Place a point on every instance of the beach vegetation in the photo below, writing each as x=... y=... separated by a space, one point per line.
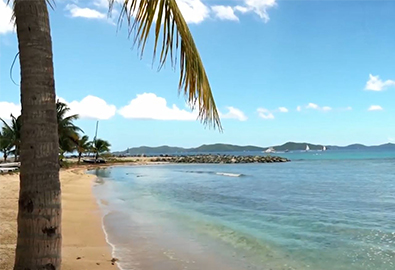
x=83 y=145
x=99 y=147
x=11 y=136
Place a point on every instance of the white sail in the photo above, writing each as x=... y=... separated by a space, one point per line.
x=307 y=148
x=324 y=148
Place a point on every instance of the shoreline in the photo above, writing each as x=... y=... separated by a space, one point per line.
x=84 y=243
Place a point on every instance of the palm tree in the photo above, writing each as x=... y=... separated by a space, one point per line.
x=13 y=132
x=100 y=146
x=68 y=132
x=39 y=216
x=83 y=145
x=5 y=143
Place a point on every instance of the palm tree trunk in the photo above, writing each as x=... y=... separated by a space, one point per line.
x=39 y=215
x=79 y=157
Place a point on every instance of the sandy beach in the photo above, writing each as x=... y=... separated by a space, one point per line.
x=84 y=243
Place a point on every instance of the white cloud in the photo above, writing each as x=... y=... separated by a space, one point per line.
x=375 y=108
x=283 y=109
x=259 y=7
x=91 y=107
x=8 y=108
x=6 y=25
x=376 y=84
x=234 y=113
x=194 y=11
x=265 y=113
x=268 y=114
x=89 y=13
x=314 y=106
x=224 y=13
x=150 y=106
x=241 y=9
x=299 y=108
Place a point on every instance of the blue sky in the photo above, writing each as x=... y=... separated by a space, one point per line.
x=316 y=71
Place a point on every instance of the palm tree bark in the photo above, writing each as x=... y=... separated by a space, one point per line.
x=39 y=214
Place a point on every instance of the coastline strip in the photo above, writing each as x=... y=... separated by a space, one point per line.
x=84 y=241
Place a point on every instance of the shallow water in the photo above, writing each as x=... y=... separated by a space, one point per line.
x=320 y=214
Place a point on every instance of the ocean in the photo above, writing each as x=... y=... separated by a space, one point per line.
x=332 y=210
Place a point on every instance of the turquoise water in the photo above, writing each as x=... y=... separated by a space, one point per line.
x=334 y=212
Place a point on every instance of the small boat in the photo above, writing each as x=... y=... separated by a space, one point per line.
x=94 y=161
x=10 y=165
x=307 y=148
x=270 y=150
x=8 y=169
x=324 y=148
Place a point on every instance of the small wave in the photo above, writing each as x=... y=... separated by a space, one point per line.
x=199 y=172
x=229 y=174
x=113 y=248
x=217 y=173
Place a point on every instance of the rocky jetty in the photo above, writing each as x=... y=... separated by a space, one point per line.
x=219 y=159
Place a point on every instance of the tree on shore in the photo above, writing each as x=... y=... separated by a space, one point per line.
x=5 y=144
x=68 y=132
x=100 y=146
x=39 y=238
x=83 y=145
x=12 y=134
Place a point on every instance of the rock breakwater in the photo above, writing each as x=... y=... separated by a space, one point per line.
x=220 y=159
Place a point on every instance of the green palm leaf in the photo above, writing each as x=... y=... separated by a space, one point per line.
x=68 y=132
x=165 y=14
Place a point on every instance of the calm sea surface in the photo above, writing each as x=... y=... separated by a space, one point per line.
x=330 y=210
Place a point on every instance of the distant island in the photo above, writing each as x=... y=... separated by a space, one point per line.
x=219 y=148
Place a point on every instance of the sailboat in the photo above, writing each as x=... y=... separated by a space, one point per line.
x=307 y=148
x=324 y=148
x=94 y=160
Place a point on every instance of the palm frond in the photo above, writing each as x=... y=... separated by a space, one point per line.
x=171 y=26
x=71 y=118
x=5 y=124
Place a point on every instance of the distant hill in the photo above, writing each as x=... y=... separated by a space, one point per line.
x=354 y=146
x=387 y=146
x=220 y=147
x=205 y=148
x=358 y=146
x=151 y=150
x=293 y=146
